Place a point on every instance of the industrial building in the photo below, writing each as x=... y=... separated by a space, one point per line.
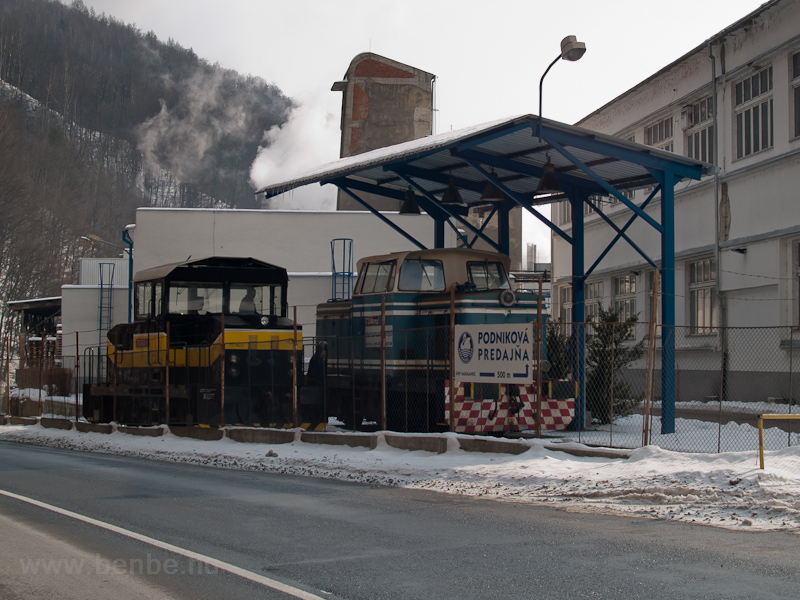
x=734 y=102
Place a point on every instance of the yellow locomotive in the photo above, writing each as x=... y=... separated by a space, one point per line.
x=211 y=343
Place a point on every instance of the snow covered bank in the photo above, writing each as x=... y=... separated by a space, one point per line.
x=727 y=489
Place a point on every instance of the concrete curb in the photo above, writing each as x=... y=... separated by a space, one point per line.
x=589 y=451
x=248 y=435
x=354 y=440
x=253 y=435
x=142 y=431
x=57 y=423
x=427 y=443
x=482 y=444
x=95 y=427
x=198 y=433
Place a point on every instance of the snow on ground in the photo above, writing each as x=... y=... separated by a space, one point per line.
x=724 y=489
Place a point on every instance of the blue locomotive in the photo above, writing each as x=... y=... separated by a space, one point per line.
x=388 y=348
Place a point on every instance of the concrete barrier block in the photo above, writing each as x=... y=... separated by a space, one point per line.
x=5 y=419
x=143 y=431
x=207 y=434
x=484 y=444
x=260 y=436
x=94 y=427
x=24 y=420
x=354 y=440
x=428 y=443
x=65 y=424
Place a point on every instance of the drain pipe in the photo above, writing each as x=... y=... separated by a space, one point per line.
x=721 y=308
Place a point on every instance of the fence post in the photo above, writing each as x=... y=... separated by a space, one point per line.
x=451 y=354
x=166 y=381
x=77 y=371
x=383 y=362
x=8 y=375
x=295 y=414
x=222 y=373
x=41 y=373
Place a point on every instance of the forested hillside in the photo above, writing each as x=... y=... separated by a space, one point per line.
x=98 y=118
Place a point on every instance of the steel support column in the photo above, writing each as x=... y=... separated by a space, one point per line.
x=577 y=198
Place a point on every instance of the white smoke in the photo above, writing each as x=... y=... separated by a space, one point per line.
x=309 y=138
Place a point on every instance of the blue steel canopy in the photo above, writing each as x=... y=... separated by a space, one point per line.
x=511 y=154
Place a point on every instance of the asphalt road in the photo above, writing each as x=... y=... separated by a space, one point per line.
x=336 y=539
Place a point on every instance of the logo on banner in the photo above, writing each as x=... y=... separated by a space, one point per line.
x=465 y=347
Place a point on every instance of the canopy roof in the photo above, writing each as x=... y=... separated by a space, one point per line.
x=510 y=147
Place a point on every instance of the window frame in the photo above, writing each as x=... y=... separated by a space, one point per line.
x=624 y=300
x=749 y=122
x=703 y=318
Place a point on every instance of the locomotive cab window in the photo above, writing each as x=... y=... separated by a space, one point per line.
x=418 y=275
x=487 y=276
x=186 y=298
x=256 y=299
x=144 y=299
x=377 y=278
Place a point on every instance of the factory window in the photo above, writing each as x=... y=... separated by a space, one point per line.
x=564 y=209
x=625 y=297
x=699 y=130
x=417 y=275
x=378 y=278
x=593 y=299
x=659 y=134
x=565 y=303
x=753 y=101
x=796 y=92
x=702 y=292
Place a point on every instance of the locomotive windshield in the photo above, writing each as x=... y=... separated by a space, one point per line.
x=378 y=277
x=420 y=275
x=487 y=276
x=252 y=299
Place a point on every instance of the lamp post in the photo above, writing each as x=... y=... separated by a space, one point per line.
x=571 y=50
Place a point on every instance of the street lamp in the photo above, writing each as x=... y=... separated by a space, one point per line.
x=571 y=50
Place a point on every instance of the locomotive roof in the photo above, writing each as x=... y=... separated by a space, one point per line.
x=446 y=254
x=211 y=268
x=454 y=260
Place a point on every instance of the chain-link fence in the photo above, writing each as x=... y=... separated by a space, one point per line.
x=723 y=379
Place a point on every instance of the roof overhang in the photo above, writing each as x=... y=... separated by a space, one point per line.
x=511 y=151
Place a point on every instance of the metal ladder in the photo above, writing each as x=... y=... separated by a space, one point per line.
x=342 y=280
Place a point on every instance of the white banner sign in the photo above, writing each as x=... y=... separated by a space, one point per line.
x=494 y=353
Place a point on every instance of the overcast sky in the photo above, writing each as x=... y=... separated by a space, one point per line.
x=487 y=56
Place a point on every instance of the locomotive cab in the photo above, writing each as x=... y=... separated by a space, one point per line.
x=210 y=344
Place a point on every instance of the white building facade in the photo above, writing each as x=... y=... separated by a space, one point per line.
x=734 y=102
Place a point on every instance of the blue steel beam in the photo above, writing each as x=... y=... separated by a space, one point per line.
x=620 y=233
x=606 y=186
x=577 y=198
x=521 y=200
x=624 y=228
x=515 y=166
x=429 y=199
x=668 y=181
x=638 y=157
x=398 y=229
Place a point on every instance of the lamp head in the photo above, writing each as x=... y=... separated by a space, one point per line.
x=410 y=206
x=572 y=49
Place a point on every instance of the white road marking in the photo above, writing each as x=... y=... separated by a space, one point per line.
x=254 y=577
